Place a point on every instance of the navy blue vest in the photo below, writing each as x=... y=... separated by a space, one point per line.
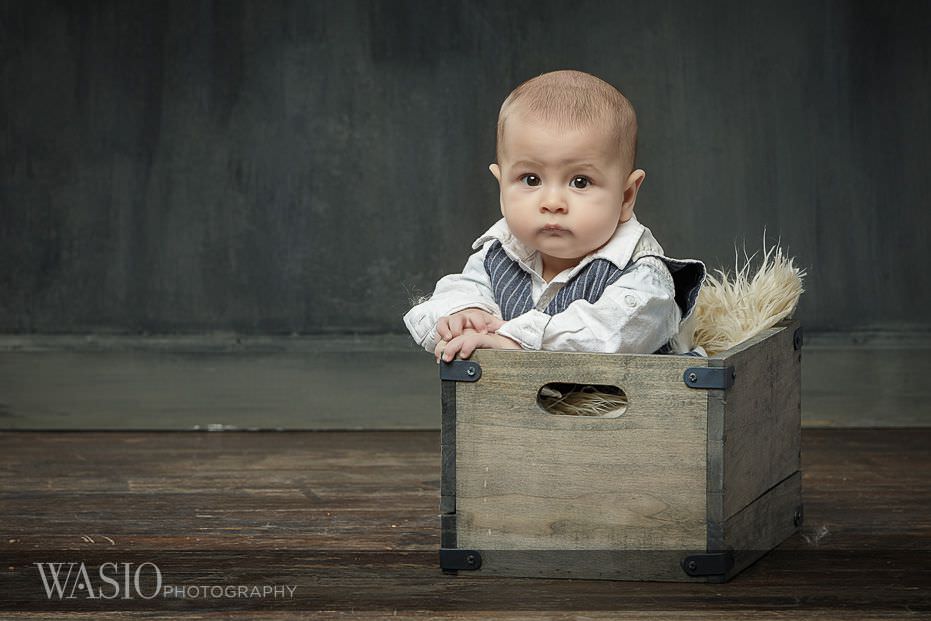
x=512 y=284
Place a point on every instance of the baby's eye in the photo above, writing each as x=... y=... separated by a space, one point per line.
x=531 y=180
x=580 y=183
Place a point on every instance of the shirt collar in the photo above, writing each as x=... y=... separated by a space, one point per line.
x=618 y=250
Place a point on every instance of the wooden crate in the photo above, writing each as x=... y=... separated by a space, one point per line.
x=694 y=481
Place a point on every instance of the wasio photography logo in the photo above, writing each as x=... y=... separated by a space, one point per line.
x=74 y=580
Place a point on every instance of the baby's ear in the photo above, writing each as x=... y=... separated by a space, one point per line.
x=496 y=171
x=630 y=193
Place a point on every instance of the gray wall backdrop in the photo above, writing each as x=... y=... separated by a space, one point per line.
x=281 y=167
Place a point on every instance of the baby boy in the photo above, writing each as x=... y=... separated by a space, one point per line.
x=568 y=267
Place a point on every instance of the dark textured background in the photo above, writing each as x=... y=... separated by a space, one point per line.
x=305 y=167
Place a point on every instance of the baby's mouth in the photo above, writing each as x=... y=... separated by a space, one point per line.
x=554 y=229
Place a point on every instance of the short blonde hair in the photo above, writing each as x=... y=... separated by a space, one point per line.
x=572 y=99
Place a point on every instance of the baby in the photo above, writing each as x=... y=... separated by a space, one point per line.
x=568 y=267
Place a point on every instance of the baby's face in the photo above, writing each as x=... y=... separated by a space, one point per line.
x=571 y=179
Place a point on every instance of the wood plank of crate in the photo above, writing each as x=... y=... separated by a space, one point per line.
x=529 y=479
x=761 y=415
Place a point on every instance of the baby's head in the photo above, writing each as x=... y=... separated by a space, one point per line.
x=566 y=150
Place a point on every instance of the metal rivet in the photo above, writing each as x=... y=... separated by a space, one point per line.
x=693 y=377
x=692 y=565
x=470 y=559
x=470 y=371
x=798 y=517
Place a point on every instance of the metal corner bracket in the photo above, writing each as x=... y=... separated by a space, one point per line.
x=711 y=564
x=460 y=371
x=454 y=558
x=718 y=378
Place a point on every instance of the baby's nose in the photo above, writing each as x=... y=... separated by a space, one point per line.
x=553 y=200
x=553 y=205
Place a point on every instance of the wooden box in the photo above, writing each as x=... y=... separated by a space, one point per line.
x=695 y=480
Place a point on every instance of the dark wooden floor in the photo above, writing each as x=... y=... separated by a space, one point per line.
x=350 y=519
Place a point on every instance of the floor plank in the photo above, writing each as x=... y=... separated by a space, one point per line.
x=350 y=519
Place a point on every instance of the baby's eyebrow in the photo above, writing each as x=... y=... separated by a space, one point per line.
x=583 y=165
x=530 y=163
x=576 y=164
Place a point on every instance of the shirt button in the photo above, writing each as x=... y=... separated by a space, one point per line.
x=630 y=300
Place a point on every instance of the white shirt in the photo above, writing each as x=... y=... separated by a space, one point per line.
x=636 y=314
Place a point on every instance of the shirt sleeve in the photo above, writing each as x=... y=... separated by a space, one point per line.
x=637 y=313
x=470 y=289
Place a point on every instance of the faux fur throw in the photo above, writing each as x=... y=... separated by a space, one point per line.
x=731 y=309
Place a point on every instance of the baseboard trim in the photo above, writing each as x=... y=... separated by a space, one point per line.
x=225 y=381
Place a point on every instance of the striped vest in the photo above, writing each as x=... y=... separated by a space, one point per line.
x=511 y=283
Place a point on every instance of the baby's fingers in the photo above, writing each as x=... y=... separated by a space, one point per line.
x=456 y=325
x=476 y=323
x=468 y=347
x=438 y=350
x=451 y=349
x=442 y=328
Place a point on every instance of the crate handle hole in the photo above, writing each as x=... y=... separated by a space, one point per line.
x=593 y=400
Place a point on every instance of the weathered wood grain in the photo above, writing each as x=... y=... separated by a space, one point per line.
x=764 y=524
x=528 y=479
x=762 y=415
x=368 y=500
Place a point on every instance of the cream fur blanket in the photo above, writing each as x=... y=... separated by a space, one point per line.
x=731 y=309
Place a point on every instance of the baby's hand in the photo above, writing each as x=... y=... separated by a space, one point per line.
x=469 y=341
x=454 y=325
